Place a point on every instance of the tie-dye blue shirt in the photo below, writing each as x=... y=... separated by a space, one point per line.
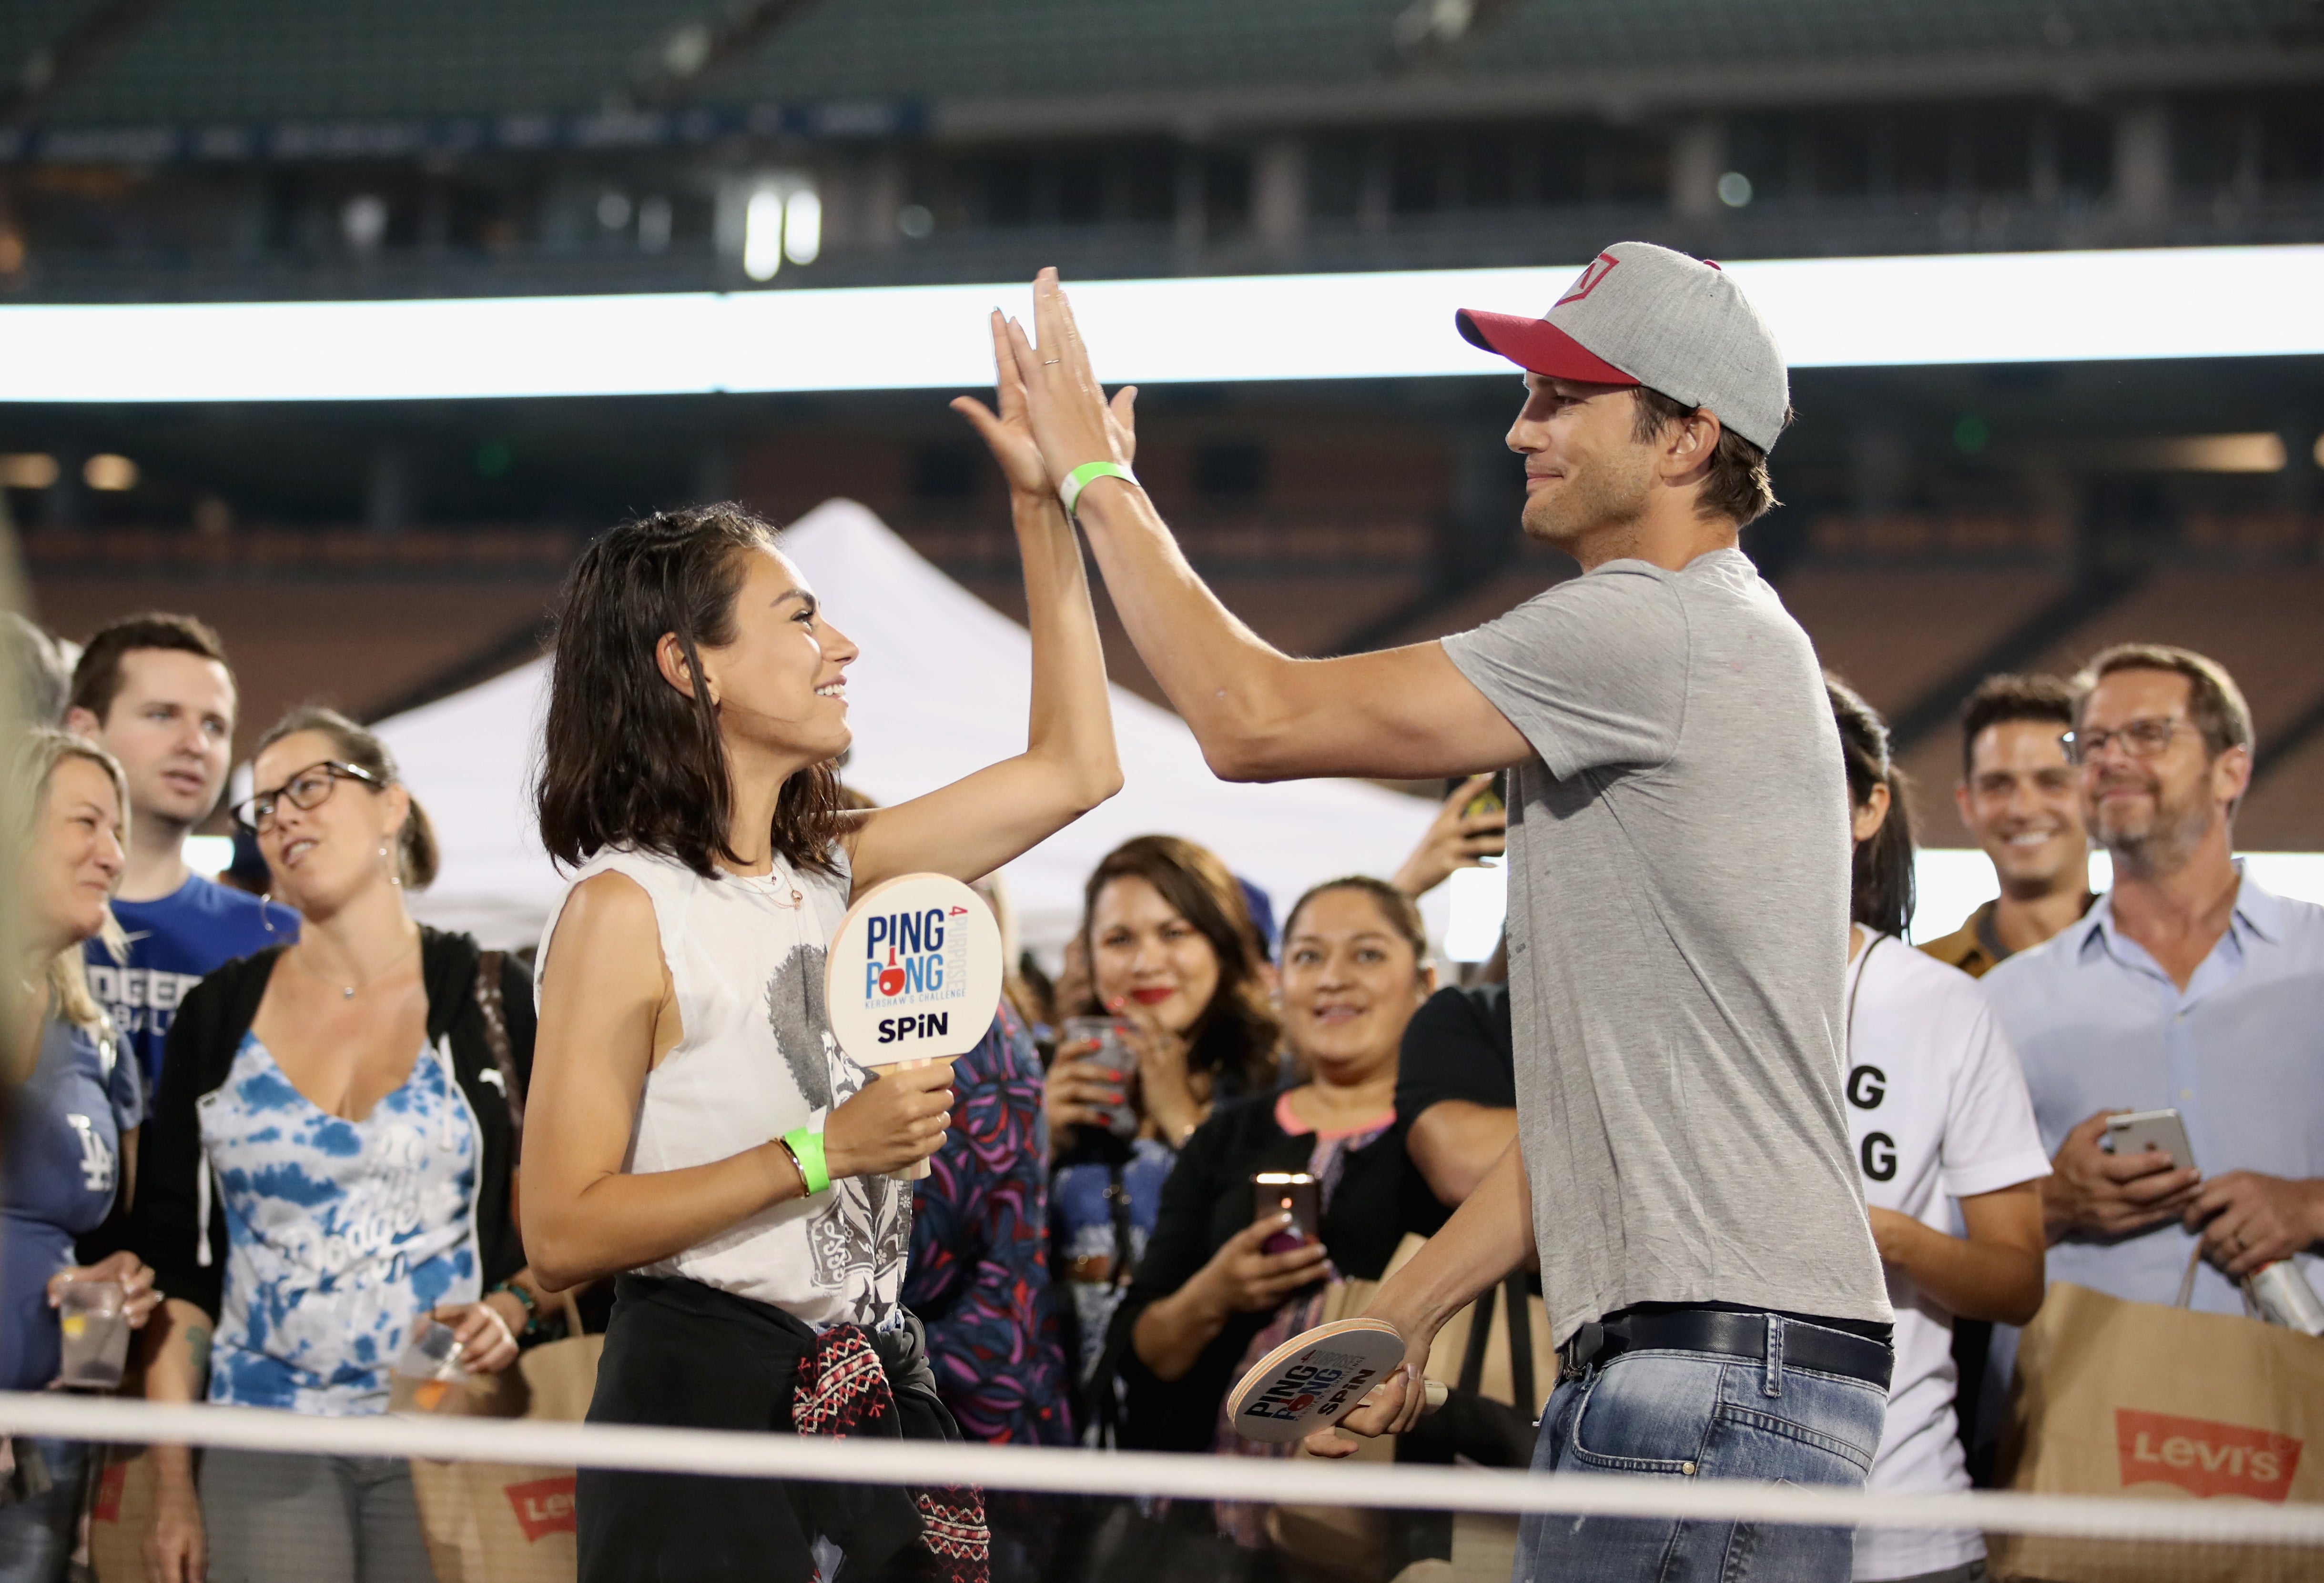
x=340 y=1233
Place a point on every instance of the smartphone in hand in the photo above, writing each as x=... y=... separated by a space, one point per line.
x=2134 y=1132
x=1275 y=1192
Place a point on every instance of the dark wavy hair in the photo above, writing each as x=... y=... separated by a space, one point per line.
x=1235 y=1038
x=628 y=759
x=1881 y=891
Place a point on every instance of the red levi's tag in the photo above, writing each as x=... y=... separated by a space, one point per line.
x=544 y=1506
x=2204 y=1457
x=108 y=1493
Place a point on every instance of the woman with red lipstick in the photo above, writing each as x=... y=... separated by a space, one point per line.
x=695 y=1129
x=1171 y=955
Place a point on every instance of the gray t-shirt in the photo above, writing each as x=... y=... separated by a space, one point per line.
x=1678 y=916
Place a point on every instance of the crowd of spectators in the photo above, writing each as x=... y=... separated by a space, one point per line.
x=195 y=1104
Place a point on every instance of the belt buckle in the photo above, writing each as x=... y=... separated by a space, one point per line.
x=1574 y=1358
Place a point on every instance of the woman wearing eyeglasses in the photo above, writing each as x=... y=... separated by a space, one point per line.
x=328 y=1163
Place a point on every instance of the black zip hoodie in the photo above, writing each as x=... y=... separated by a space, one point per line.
x=165 y=1226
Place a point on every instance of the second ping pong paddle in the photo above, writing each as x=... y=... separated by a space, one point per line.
x=1316 y=1378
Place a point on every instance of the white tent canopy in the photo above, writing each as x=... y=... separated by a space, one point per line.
x=940 y=691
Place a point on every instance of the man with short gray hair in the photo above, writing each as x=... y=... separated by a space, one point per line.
x=1678 y=871
x=2187 y=988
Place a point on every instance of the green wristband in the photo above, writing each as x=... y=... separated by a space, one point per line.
x=1083 y=476
x=805 y=1147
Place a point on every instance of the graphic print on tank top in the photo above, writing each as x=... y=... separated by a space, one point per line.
x=755 y=1058
x=866 y=1228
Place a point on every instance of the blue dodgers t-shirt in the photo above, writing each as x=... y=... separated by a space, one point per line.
x=175 y=941
x=63 y=1165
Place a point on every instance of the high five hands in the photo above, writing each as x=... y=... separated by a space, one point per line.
x=1048 y=391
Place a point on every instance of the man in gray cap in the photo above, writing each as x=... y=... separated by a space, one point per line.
x=1678 y=859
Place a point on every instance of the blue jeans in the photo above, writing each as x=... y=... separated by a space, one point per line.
x=1699 y=1415
x=37 y=1535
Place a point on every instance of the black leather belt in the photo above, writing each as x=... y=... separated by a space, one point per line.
x=1739 y=1336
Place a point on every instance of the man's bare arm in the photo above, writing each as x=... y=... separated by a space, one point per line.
x=1405 y=714
x=1258 y=713
x=1455 y=1143
x=1487 y=1237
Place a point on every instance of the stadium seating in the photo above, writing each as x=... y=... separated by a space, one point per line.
x=362 y=644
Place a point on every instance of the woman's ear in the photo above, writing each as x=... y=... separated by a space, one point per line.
x=1870 y=815
x=396 y=804
x=669 y=658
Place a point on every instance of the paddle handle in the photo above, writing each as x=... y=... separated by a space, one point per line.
x=1437 y=1395
x=918 y=1170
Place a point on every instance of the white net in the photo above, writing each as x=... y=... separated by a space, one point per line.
x=497 y=1501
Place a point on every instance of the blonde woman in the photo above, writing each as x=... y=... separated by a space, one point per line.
x=74 y=1105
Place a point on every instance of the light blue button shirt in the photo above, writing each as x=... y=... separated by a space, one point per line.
x=2239 y=1052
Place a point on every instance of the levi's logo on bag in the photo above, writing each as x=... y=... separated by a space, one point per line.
x=2204 y=1457
x=109 y=1486
x=543 y=1505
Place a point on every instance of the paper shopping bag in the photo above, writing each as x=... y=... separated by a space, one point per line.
x=2114 y=1398
x=498 y=1522
x=493 y=1522
x=120 y=1514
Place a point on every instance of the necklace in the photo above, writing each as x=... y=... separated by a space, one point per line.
x=347 y=991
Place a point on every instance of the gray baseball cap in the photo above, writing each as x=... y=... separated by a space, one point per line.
x=1642 y=315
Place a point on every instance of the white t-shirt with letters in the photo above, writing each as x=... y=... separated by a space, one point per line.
x=1937 y=1112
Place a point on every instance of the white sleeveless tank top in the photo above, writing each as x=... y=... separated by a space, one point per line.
x=755 y=1058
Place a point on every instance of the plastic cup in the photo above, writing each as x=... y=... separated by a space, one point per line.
x=94 y=1317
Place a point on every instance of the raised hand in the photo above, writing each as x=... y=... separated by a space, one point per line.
x=1456 y=839
x=1169 y=1094
x=1065 y=406
x=1007 y=433
x=1076 y=1089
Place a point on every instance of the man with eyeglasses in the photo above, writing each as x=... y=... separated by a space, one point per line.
x=155 y=691
x=2188 y=988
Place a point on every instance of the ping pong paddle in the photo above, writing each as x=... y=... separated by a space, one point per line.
x=913 y=975
x=1316 y=1378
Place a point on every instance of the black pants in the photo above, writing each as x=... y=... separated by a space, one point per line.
x=682 y=1354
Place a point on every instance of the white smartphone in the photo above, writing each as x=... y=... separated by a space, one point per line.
x=2134 y=1132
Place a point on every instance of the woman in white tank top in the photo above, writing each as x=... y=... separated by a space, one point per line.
x=692 y=1125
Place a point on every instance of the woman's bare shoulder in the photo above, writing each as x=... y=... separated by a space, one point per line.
x=607 y=918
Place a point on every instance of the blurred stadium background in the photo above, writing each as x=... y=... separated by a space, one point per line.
x=1940 y=522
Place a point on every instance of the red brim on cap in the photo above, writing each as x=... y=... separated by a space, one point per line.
x=1538 y=346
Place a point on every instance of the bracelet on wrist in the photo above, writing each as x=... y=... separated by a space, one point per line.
x=804 y=1145
x=1069 y=492
x=526 y=1300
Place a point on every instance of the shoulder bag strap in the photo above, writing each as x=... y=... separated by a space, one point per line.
x=1481 y=1331
x=1117 y=1204
x=488 y=1000
x=1517 y=1307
